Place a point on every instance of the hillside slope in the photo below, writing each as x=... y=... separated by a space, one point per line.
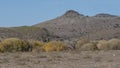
x=75 y=25
x=24 y=32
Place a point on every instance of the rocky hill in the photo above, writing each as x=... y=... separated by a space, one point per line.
x=24 y=32
x=75 y=25
x=71 y=25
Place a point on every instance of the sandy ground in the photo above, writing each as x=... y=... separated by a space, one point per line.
x=71 y=59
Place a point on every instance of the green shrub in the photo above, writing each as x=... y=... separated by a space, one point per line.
x=54 y=46
x=14 y=45
x=26 y=46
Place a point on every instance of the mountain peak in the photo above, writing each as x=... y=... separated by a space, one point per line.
x=72 y=13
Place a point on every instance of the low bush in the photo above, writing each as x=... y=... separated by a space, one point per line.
x=103 y=45
x=114 y=44
x=1 y=48
x=26 y=46
x=81 y=42
x=14 y=45
x=18 y=45
x=37 y=45
x=89 y=47
x=54 y=46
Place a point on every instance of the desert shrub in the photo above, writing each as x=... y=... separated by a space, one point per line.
x=1 y=48
x=95 y=42
x=114 y=44
x=70 y=45
x=54 y=46
x=25 y=46
x=14 y=45
x=103 y=45
x=37 y=45
x=81 y=42
x=89 y=46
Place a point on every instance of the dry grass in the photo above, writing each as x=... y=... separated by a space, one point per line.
x=1 y=48
x=14 y=45
x=114 y=44
x=54 y=46
x=89 y=47
x=84 y=59
x=103 y=45
x=81 y=42
x=19 y=45
x=37 y=45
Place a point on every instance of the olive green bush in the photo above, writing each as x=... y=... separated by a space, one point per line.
x=37 y=45
x=19 y=45
x=14 y=45
x=1 y=48
x=54 y=46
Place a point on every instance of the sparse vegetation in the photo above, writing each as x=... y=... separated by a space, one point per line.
x=37 y=45
x=19 y=45
x=114 y=44
x=81 y=42
x=102 y=45
x=88 y=47
x=14 y=45
x=1 y=48
x=54 y=46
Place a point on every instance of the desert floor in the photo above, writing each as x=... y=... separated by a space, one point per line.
x=68 y=59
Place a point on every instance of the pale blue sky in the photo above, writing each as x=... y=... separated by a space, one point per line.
x=29 y=12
